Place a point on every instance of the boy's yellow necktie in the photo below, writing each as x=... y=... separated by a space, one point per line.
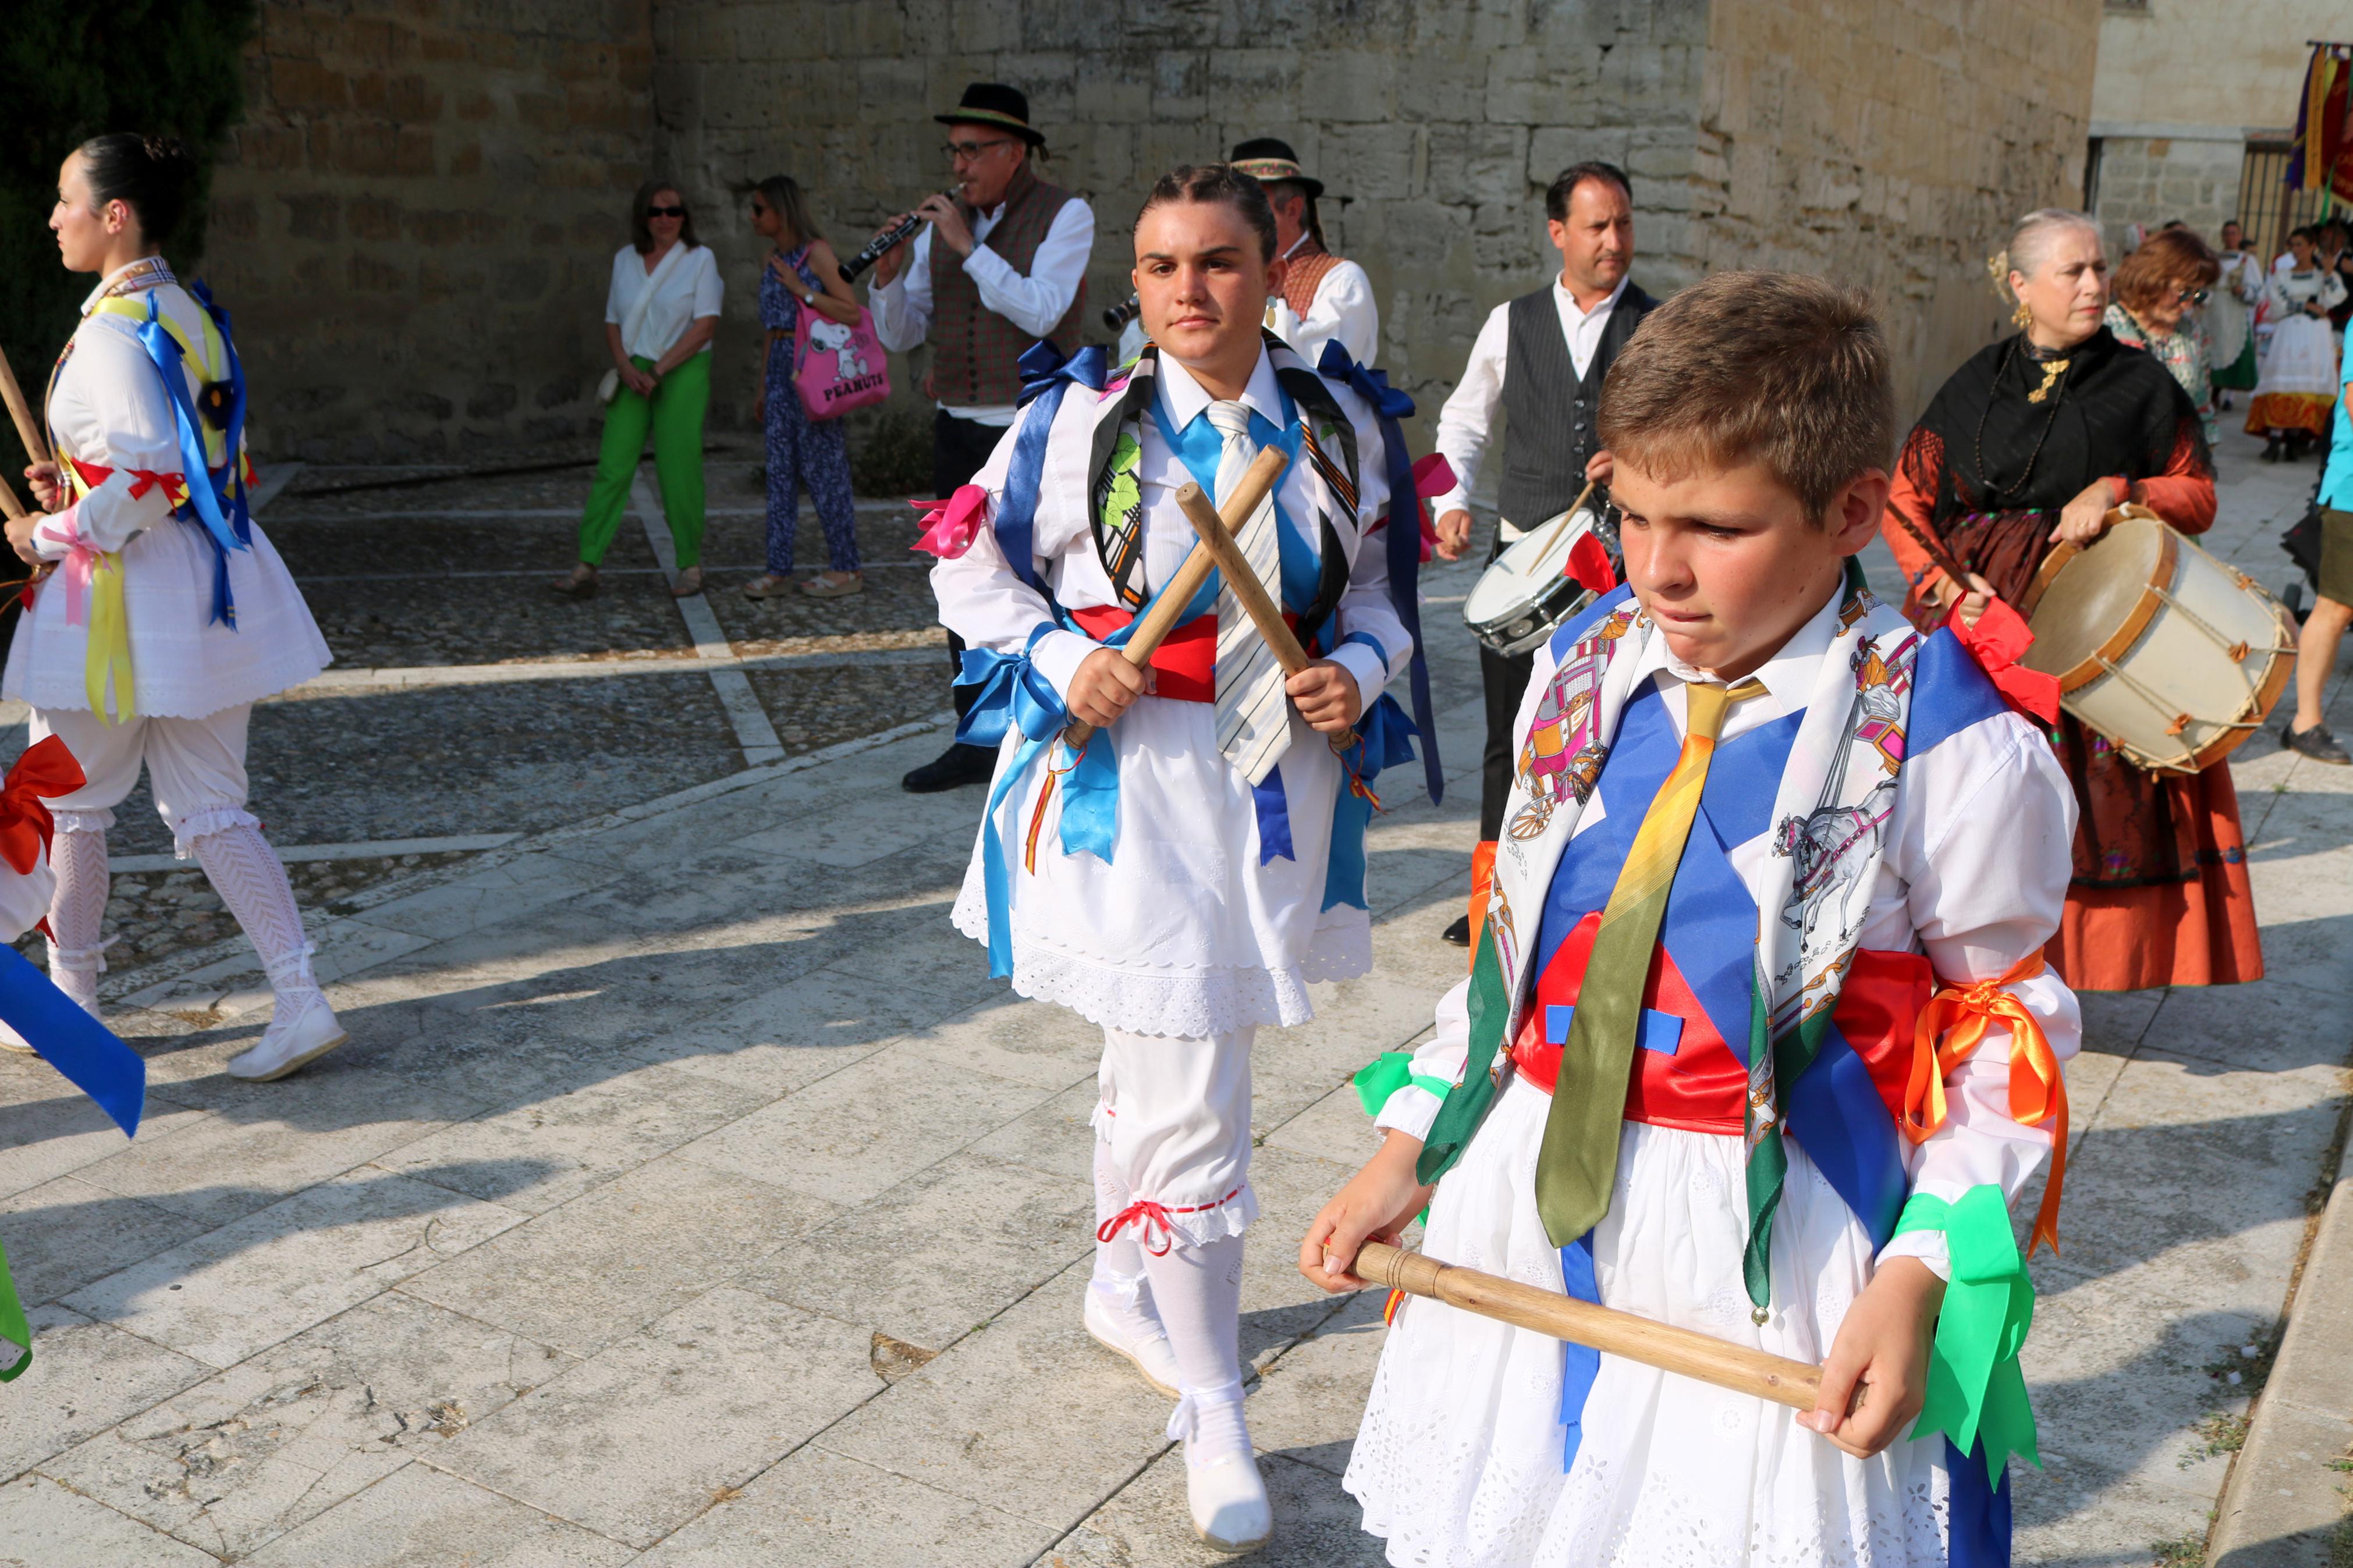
x=1577 y=1164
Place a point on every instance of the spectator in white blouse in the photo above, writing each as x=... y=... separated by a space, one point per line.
x=659 y=316
x=1002 y=265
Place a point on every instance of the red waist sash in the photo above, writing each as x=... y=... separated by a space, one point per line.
x=1185 y=665
x=1684 y=1075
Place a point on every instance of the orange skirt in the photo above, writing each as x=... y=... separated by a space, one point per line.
x=2305 y=411
x=2195 y=929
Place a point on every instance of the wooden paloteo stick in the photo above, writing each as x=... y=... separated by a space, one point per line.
x=1161 y=618
x=8 y=502
x=28 y=430
x=1218 y=538
x=1680 y=1350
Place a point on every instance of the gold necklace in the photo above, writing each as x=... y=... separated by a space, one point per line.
x=2053 y=369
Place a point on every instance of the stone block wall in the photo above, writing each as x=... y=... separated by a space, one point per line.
x=2151 y=180
x=414 y=224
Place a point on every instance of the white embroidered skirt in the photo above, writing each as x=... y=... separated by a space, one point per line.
x=184 y=666
x=1184 y=934
x=2303 y=358
x=1457 y=1464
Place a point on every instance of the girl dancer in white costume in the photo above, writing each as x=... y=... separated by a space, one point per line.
x=167 y=614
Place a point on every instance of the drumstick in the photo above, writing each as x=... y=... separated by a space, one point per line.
x=1574 y=507
x=1938 y=556
x=8 y=502
x=1685 y=1351
x=28 y=431
x=1162 y=617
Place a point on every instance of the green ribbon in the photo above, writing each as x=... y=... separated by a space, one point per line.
x=1389 y=1072
x=13 y=1327
x=1975 y=1386
x=1467 y=1102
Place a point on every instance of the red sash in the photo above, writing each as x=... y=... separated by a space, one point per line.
x=1185 y=663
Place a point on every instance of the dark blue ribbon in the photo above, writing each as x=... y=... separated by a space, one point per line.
x=234 y=530
x=1046 y=376
x=1390 y=406
x=71 y=1041
x=1384 y=739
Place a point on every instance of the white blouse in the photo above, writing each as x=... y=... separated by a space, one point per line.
x=691 y=291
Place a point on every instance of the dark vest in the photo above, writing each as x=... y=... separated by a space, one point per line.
x=976 y=352
x=1549 y=410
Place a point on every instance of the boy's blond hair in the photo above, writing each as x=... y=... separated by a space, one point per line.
x=1775 y=368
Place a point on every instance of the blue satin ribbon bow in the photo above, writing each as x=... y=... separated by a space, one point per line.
x=1390 y=406
x=1045 y=374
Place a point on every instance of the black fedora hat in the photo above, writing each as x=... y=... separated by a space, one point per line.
x=1266 y=158
x=994 y=103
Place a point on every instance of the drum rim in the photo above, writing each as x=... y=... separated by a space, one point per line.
x=2094 y=665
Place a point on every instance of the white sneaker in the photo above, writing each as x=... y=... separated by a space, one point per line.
x=302 y=1029
x=1227 y=1498
x=1146 y=1343
x=10 y=1040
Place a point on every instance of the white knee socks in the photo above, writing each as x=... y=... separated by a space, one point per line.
x=78 y=913
x=248 y=875
x=1198 y=1292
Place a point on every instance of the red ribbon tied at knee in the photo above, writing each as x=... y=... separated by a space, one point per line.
x=950 y=526
x=45 y=772
x=1998 y=642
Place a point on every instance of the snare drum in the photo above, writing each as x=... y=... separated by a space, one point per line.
x=1523 y=595
x=2171 y=655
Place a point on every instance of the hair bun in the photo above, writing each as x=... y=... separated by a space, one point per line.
x=168 y=154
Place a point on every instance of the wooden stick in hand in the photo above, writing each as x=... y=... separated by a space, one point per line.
x=28 y=430
x=1683 y=1352
x=1161 y=618
x=1219 y=540
x=9 y=503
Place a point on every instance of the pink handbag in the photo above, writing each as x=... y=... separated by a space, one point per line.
x=838 y=368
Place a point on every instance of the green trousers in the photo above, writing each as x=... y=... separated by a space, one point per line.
x=675 y=414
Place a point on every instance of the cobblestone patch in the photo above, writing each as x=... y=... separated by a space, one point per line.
x=442 y=620
x=821 y=707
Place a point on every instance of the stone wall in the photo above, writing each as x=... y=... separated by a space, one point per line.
x=414 y=224
x=2152 y=180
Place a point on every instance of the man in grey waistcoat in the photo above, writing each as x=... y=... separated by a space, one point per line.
x=1541 y=358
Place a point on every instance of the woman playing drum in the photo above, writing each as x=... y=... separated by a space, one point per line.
x=2031 y=442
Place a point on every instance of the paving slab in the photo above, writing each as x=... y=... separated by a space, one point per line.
x=43 y=1523
x=85 y=1377
x=420 y=1516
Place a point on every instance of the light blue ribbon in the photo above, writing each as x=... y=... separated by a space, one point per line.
x=1384 y=739
x=1046 y=376
x=233 y=531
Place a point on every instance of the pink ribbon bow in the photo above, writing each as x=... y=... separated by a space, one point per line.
x=80 y=561
x=1433 y=476
x=950 y=526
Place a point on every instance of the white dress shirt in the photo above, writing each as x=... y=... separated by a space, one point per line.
x=903 y=308
x=1468 y=419
x=1343 y=308
x=690 y=291
x=1979 y=853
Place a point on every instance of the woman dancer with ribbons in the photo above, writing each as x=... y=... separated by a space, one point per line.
x=167 y=614
x=2031 y=444
x=1200 y=860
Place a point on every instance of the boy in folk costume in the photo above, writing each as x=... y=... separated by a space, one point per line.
x=1760 y=829
x=1200 y=861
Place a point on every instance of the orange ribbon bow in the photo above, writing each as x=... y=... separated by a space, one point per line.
x=1962 y=1015
x=47 y=770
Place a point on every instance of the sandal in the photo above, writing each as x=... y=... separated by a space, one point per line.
x=767 y=585
x=580 y=584
x=690 y=583
x=835 y=585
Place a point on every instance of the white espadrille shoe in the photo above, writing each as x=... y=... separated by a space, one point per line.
x=302 y=1029
x=1224 y=1493
x=1135 y=1333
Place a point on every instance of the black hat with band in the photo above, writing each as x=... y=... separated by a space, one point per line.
x=994 y=103
x=1270 y=159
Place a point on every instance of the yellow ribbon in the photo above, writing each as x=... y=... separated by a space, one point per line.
x=107 y=660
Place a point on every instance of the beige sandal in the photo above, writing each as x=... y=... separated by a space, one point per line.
x=835 y=585
x=767 y=585
x=580 y=584
x=690 y=583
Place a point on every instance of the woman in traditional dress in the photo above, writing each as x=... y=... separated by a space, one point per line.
x=2298 y=388
x=2159 y=290
x=2031 y=444
x=168 y=615
x=2229 y=314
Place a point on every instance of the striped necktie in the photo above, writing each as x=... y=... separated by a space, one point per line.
x=1577 y=1164
x=1253 y=714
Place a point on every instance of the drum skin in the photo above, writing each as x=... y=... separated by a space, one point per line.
x=1523 y=595
x=2171 y=655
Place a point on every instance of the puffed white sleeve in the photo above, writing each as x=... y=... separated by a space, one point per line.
x=614 y=310
x=902 y=307
x=125 y=443
x=1373 y=646
x=983 y=601
x=2332 y=289
x=1468 y=419
x=1343 y=311
x=1986 y=847
x=709 y=288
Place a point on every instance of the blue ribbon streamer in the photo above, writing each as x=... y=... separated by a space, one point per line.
x=1384 y=739
x=1390 y=406
x=71 y=1041
x=1580 y=1364
x=235 y=530
x=1046 y=376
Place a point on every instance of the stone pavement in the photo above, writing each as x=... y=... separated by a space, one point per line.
x=689 y=1195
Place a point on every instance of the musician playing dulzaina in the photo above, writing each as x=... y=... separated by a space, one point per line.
x=1201 y=861
x=2031 y=442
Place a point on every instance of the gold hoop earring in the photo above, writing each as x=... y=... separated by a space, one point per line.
x=2023 y=317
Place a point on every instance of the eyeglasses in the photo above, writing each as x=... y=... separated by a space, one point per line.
x=958 y=151
x=665 y=212
x=2194 y=296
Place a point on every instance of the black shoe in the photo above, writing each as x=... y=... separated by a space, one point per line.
x=2272 y=450
x=957 y=766
x=1458 y=933
x=2316 y=743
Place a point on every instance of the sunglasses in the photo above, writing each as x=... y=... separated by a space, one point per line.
x=2194 y=296
x=665 y=212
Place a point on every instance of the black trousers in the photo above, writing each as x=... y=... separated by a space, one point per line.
x=1504 y=682
x=959 y=447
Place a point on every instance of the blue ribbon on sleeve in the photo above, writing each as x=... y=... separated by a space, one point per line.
x=1390 y=406
x=1046 y=376
x=1012 y=694
x=1384 y=739
x=229 y=532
